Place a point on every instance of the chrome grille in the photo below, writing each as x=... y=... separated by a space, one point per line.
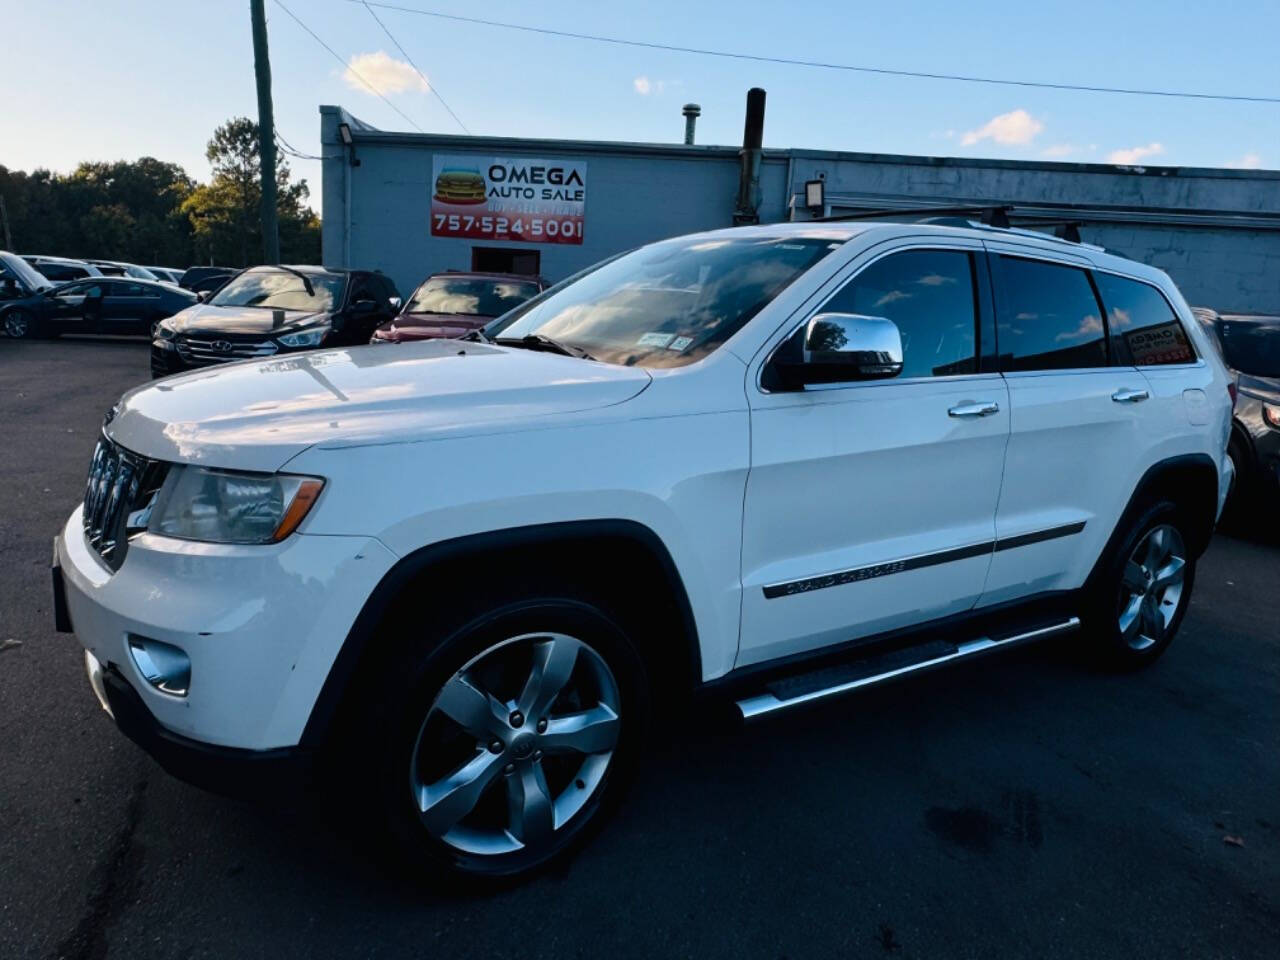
x=117 y=498
x=218 y=350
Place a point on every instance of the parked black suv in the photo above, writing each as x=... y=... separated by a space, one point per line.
x=275 y=309
x=1250 y=347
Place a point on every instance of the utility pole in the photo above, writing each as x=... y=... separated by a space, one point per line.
x=266 y=132
x=4 y=220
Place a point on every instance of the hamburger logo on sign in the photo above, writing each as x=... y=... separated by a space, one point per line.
x=522 y=200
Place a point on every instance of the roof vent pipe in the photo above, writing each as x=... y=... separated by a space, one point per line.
x=748 y=207
x=691 y=114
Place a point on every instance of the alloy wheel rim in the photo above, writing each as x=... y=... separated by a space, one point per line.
x=15 y=324
x=515 y=745
x=1151 y=587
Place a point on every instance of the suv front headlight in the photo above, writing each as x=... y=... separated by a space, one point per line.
x=310 y=337
x=220 y=506
x=164 y=331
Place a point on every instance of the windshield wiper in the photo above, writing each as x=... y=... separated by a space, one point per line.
x=540 y=341
x=306 y=281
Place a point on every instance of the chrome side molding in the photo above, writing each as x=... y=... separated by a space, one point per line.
x=763 y=703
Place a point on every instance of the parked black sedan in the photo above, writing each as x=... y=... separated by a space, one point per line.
x=119 y=305
x=1250 y=347
x=275 y=309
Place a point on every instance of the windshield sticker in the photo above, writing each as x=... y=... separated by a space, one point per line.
x=679 y=343
x=654 y=339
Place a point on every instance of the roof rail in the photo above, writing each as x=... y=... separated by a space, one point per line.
x=993 y=216
x=990 y=215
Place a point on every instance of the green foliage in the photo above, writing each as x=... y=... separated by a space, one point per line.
x=148 y=211
x=224 y=212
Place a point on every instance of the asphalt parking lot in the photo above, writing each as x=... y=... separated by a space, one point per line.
x=1024 y=806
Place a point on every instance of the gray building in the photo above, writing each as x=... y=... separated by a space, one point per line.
x=411 y=204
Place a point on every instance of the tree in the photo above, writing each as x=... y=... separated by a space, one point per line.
x=149 y=211
x=224 y=213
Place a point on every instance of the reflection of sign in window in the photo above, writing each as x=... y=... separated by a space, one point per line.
x=1163 y=344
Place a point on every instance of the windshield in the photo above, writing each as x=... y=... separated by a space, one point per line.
x=1251 y=346
x=282 y=290
x=22 y=271
x=470 y=296
x=140 y=273
x=671 y=303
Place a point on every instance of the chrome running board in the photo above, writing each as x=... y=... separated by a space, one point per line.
x=793 y=693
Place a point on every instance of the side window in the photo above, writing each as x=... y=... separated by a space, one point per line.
x=929 y=294
x=361 y=289
x=73 y=289
x=1048 y=317
x=1144 y=329
x=388 y=288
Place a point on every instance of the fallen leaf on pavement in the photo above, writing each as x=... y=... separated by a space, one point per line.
x=1233 y=841
x=9 y=644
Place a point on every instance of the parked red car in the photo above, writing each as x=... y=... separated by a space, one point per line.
x=452 y=304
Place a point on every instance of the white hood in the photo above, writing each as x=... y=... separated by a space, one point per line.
x=258 y=414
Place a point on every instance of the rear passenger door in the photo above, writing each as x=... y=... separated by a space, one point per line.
x=1079 y=421
x=127 y=306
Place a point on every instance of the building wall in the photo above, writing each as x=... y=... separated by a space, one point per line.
x=1217 y=232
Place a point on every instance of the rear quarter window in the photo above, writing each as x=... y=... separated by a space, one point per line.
x=1144 y=329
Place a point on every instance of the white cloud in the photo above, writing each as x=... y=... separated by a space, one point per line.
x=1131 y=155
x=385 y=72
x=1059 y=150
x=1014 y=127
x=644 y=86
x=1250 y=161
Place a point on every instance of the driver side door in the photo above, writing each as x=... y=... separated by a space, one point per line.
x=871 y=505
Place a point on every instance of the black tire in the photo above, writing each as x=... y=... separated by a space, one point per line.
x=1240 y=497
x=1112 y=594
x=19 y=324
x=401 y=689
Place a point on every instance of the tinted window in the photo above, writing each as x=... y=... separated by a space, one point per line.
x=1251 y=346
x=1048 y=317
x=929 y=294
x=61 y=271
x=1144 y=328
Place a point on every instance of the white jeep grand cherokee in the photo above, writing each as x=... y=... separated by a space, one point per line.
x=774 y=463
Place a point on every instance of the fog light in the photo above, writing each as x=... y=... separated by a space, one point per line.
x=162 y=665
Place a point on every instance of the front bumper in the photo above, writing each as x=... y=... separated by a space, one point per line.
x=261 y=625
x=226 y=770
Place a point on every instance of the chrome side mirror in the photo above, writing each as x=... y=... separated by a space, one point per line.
x=396 y=303
x=850 y=346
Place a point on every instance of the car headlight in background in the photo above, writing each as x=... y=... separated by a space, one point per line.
x=1271 y=414
x=164 y=331
x=310 y=337
x=220 y=506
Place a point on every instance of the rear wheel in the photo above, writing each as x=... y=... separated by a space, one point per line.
x=1142 y=595
x=504 y=743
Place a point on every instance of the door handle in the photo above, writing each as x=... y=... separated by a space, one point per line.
x=1130 y=396
x=974 y=408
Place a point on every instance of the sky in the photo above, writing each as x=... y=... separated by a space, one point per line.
x=120 y=79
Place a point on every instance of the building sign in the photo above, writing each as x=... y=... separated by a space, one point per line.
x=1166 y=343
x=518 y=199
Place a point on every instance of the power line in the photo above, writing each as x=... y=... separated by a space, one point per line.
x=353 y=70
x=430 y=86
x=288 y=148
x=786 y=61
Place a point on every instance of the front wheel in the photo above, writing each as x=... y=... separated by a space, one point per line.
x=509 y=739
x=1142 y=595
x=19 y=324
